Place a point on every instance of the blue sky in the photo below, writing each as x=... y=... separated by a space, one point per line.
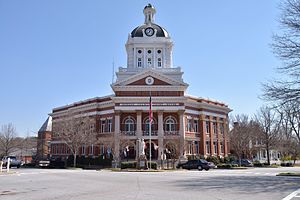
x=56 y=52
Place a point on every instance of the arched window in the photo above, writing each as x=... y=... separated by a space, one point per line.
x=159 y=62
x=129 y=125
x=147 y=126
x=139 y=62
x=170 y=124
x=149 y=62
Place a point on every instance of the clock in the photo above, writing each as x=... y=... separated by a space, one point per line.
x=149 y=31
x=149 y=80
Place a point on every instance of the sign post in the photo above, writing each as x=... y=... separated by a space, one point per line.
x=8 y=165
x=1 y=165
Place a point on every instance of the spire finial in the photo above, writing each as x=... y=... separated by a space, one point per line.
x=149 y=12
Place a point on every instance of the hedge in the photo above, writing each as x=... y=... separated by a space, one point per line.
x=133 y=165
x=226 y=166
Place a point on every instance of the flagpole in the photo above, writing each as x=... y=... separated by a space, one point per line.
x=150 y=124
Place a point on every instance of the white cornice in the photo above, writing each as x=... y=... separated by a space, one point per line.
x=83 y=108
x=146 y=108
x=148 y=72
x=84 y=101
x=149 y=88
x=195 y=112
x=146 y=99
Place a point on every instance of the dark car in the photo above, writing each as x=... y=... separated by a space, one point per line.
x=244 y=163
x=195 y=164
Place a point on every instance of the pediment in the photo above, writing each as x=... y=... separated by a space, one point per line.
x=143 y=81
x=140 y=79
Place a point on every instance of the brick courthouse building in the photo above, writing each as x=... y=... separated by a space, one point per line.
x=182 y=124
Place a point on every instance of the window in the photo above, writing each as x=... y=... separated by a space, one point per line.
x=221 y=147
x=91 y=149
x=207 y=127
x=92 y=128
x=129 y=125
x=190 y=148
x=196 y=122
x=139 y=62
x=170 y=125
x=102 y=125
x=159 y=62
x=139 y=51
x=189 y=125
x=159 y=51
x=196 y=147
x=215 y=128
x=102 y=150
x=207 y=147
x=109 y=121
x=222 y=128
x=149 y=51
x=147 y=127
x=149 y=62
x=83 y=150
x=215 y=147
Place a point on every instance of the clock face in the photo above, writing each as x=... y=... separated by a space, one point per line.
x=149 y=31
x=149 y=80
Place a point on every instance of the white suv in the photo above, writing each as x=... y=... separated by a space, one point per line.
x=14 y=162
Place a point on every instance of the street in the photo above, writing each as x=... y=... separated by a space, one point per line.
x=257 y=183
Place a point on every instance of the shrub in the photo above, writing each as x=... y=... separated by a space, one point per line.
x=225 y=159
x=287 y=164
x=224 y=166
x=213 y=159
x=126 y=165
x=153 y=165
x=88 y=161
x=257 y=164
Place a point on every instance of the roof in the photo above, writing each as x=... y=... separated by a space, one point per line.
x=138 y=31
x=47 y=126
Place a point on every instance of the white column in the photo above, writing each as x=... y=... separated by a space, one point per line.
x=154 y=58
x=139 y=131
x=182 y=133
x=160 y=133
x=117 y=136
x=164 y=62
x=145 y=62
x=134 y=58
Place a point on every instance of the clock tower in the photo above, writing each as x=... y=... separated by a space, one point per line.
x=149 y=45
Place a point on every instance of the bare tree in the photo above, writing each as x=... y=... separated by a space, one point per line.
x=287 y=48
x=269 y=122
x=242 y=136
x=7 y=139
x=290 y=129
x=75 y=132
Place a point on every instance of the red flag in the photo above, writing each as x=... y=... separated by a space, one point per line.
x=150 y=112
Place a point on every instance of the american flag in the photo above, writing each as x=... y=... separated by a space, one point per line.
x=150 y=111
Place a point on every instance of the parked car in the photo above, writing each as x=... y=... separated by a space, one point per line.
x=44 y=163
x=51 y=163
x=244 y=163
x=195 y=164
x=212 y=165
x=14 y=162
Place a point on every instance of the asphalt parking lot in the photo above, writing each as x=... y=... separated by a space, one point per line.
x=259 y=183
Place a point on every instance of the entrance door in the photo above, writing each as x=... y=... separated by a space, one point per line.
x=154 y=151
